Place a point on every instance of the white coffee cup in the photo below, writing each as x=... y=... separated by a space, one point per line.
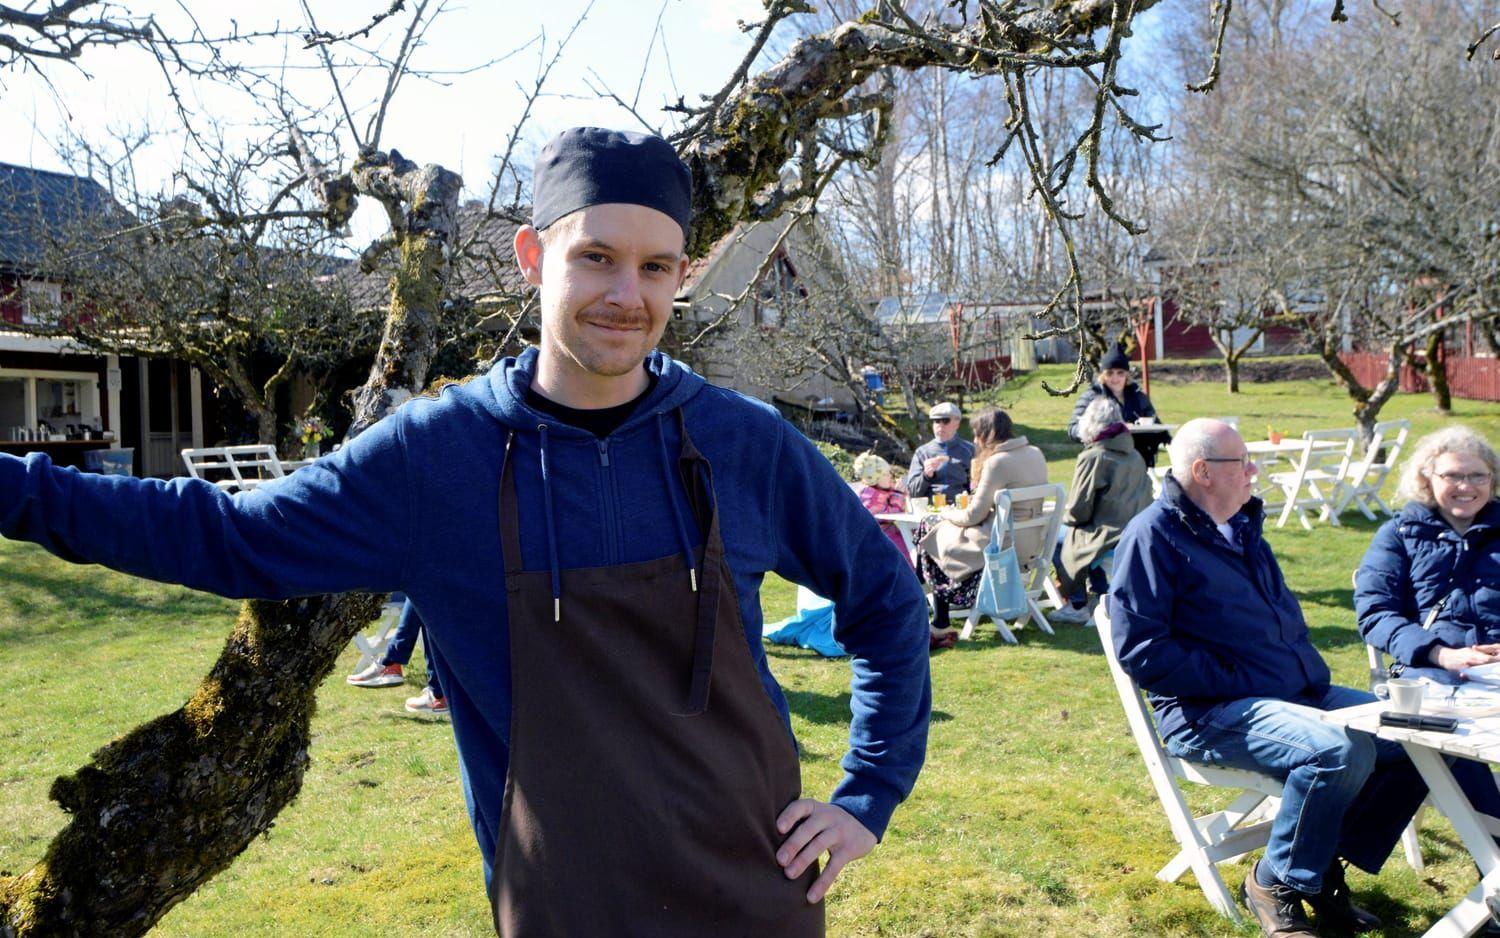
x=1405 y=695
x=919 y=505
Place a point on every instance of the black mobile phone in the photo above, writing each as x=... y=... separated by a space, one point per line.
x=1419 y=721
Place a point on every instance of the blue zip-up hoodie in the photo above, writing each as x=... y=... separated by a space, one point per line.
x=1198 y=622
x=1416 y=561
x=412 y=505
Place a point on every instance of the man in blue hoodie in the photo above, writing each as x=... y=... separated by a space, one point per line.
x=584 y=531
x=1204 y=621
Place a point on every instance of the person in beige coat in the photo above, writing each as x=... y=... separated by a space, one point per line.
x=953 y=548
x=1110 y=486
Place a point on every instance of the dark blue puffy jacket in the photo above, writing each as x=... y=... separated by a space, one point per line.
x=1414 y=562
x=1197 y=622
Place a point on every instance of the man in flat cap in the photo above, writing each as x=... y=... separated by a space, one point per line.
x=941 y=465
x=584 y=531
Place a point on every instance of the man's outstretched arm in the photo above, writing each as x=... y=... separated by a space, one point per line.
x=342 y=523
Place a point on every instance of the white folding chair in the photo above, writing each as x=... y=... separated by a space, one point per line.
x=1319 y=477
x=372 y=647
x=1367 y=475
x=1157 y=475
x=208 y=464
x=1206 y=841
x=253 y=464
x=1039 y=585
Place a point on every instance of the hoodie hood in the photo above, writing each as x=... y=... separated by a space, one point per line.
x=509 y=380
x=676 y=384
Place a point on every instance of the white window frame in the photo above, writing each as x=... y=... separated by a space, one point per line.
x=50 y=292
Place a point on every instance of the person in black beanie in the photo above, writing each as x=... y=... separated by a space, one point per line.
x=584 y=530
x=1114 y=380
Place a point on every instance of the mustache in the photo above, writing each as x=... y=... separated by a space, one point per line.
x=617 y=320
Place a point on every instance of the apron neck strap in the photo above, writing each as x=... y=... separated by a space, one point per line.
x=510 y=525
x=698 y=476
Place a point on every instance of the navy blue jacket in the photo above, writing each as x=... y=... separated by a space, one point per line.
x=1415 y=561
x=1133 y=402
x=412 y=505
x=1197 y=622
x=951 y=479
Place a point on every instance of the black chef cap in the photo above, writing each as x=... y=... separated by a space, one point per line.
x=1114 y=358
x=585 y=166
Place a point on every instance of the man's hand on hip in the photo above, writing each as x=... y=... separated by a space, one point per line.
x=816 y=828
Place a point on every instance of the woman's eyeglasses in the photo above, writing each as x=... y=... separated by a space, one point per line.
x=1475 y=479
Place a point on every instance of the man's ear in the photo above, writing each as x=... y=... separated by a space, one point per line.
x=528 y=247
x=682 y=269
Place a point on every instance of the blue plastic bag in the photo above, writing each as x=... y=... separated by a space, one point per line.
x=1002 y=593
x=811 y=627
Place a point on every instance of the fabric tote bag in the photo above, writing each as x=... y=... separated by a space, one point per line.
x=1002 y=595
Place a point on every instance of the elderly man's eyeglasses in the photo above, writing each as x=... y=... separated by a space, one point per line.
x=1475 y=479
x=1245 y=461
x=942 y=419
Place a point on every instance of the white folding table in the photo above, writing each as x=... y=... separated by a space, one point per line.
x=1476 y=738
x=906 y=522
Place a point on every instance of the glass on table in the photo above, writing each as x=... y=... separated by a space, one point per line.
x=939 y=500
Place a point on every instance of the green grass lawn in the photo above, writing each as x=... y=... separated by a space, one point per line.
x=1032 y=817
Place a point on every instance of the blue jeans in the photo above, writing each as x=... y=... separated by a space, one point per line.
x=404 y=642
x=1346 y=793
x=1097 y=579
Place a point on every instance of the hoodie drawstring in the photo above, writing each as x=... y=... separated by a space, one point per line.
x=551 y=528
x=682 y=533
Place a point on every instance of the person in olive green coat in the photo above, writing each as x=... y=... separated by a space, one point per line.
x=1110 y=486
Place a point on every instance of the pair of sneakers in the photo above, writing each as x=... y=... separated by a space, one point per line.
x=392 y=675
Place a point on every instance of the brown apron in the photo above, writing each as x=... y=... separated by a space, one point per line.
x=638 y=802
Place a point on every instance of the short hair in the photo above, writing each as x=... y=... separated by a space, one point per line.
x=1192 y=442
x=1416 y=474
x=1102 y=411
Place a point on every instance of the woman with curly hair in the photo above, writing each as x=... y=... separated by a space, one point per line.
x=1428 y=591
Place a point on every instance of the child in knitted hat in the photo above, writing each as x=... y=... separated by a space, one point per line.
x=881 y=494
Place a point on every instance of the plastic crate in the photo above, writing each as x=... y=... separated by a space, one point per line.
x=111 y=462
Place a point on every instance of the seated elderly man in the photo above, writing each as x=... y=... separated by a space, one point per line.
x=1204 y=621
x=941 y=465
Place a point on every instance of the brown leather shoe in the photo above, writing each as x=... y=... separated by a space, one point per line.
x=1277 y=910
x=1335 y=907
